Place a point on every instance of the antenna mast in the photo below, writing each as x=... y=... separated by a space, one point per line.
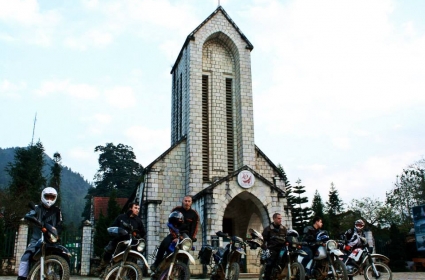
x=33 y=129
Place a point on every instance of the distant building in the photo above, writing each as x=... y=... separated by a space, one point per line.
x=213 y=156
x=100 y=205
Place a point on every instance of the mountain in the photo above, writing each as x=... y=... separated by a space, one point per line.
x=73 y=186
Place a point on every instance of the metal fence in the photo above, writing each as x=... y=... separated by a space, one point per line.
x=9 y=243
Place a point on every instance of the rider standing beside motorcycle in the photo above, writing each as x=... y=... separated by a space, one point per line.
x=132 y=218
x=190 y=224
x=310 y=234
x=353 y=236
x=273 y=230
x=46 y=213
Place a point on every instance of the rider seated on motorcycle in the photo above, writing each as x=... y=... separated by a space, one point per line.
x=310 y=235
x=175 y=224
x=355 y=237
x=275 y=229
x=132 y=218
x=46 y=213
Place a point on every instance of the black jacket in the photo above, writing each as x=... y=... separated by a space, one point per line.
x=52 y=216
x=310 y=234
x=273 y=230
x=191 y=221
x=135 y=221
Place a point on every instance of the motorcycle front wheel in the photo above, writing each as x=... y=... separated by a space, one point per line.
x=234 y=271
x=55 y=268
x=383 y=269
x=297 y=272
x=180 y=272
x=129 y=271
x=340 y=269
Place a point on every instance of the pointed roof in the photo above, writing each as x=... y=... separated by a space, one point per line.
x=191 y=36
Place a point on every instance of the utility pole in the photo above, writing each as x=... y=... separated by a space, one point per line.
x=33 y=129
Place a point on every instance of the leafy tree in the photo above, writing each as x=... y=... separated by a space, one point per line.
x=317 y=205
x=334 y=206
x=101 y=236
x=27 y=181
x=370 y=209
x=117 y=170
x=408 y=191
x=55 y=176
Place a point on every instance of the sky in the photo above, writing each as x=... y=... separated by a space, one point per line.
x=338 y=86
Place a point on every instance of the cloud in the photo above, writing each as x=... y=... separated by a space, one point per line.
x=148 y=143
x=10 y=90
x=80 y=91
x=342 y=143
x=28 y=23
x=121 y=97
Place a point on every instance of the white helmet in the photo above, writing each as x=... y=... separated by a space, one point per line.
x=49 y=196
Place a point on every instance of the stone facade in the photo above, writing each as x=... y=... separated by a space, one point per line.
x=218 y=51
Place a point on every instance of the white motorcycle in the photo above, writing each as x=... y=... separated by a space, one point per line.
x=325 y=263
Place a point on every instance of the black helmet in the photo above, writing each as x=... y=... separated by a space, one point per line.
x=176 y=218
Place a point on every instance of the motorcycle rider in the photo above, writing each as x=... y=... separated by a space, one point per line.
x=131 y=217
x=189 y=224
x=353 y=236
x=269 y=233
x=46 y=213
x=310 y=234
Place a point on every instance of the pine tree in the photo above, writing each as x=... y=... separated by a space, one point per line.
x=300 y=215
x=55 y=176
x=317 y=205
x=27 y=181
x=334 y=206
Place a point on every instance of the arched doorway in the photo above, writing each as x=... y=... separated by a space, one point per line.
x=243 y=212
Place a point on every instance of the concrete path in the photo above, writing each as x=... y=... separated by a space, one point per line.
x=396 y=276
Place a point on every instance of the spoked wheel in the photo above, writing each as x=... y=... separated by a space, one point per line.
x=180 y=272
x=55 y=268
x=129 y=271
x=297 y=272
x=340 y=269
x=234 y=271
x=385 y=272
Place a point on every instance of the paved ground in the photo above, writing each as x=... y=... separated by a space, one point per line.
x=396 y=276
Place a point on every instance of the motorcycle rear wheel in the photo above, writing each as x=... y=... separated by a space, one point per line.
x=297 y=272
x=130 y=271
x=383 y=269
x=180 y=272
x=55 y=268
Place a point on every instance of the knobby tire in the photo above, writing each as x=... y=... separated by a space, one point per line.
x=384 y=270
x=130 y=271
x=55 y=268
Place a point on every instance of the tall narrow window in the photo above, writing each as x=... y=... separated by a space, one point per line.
x=178 y=108
x=205 y=130
x=229 y=126
x=181 y=106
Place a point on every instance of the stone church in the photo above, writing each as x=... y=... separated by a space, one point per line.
x=213 y=156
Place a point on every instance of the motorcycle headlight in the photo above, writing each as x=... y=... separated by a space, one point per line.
x=141 y=246
x=331 y=245
x=52 y=238
x=237 y=245
x=186 y=244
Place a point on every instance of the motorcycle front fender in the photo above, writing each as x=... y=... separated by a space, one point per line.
x=301 y=253
x=58 y=250
x=189 y=256
x=337 y=252
x=133 y=254
x=385 y=259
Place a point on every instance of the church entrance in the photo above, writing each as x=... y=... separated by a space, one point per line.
x=245 y=211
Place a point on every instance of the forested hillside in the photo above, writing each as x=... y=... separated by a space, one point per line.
x=73 y=186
